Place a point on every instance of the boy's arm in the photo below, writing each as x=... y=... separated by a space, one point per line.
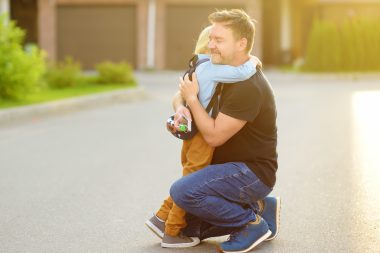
x=177 y=101
x=231 y=74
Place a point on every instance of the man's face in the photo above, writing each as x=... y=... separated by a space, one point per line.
x=222 y=44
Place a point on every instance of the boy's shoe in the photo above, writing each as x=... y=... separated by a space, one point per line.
x=270 y=210
x=247 y=238
x=156 y=225
x=179 y=241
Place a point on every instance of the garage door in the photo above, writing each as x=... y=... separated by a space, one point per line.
x=92 y=34
x=25 y=14
x=183 y=25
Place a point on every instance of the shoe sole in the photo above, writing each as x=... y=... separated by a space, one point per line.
x=260 y=240
x=195 y=242
x=278 y=211
x=154 y=229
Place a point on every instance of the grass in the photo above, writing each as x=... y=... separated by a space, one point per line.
x=57 y=94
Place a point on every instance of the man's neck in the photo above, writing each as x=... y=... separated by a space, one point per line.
x=239 y=60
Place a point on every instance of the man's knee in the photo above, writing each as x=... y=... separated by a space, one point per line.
x=176 y=192
x=180 y=193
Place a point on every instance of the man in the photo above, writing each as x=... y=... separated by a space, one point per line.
x=231 y=194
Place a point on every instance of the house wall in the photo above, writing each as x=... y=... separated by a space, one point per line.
x=281 y=31
x=169 y=17
x=4 y=6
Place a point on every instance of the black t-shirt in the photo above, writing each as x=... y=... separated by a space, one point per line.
x=255 y=144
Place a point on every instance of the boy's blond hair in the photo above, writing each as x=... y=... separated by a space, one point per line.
x=202 y=43
x=239 y=22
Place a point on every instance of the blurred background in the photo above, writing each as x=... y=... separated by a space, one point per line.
x=321 y=35
x=85 y=178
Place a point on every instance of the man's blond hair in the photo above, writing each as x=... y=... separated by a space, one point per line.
x=239 y=22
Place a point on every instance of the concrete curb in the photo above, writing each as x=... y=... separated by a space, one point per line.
x=71 y=104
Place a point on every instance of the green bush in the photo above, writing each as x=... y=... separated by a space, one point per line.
x=64 y=74
x=120 y=73
x=20 y=70
x=352 y=46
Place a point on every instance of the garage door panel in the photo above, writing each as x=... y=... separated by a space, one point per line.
x=92 y=34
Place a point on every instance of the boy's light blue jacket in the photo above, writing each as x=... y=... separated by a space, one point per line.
x=209 y=75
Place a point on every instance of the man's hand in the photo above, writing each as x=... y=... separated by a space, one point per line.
x=189 y=89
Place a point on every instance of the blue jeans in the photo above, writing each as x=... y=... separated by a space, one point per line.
x=221 y=196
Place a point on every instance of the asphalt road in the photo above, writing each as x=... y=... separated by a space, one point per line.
x=86 y=181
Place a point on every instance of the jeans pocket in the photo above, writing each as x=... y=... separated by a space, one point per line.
x=253 y=192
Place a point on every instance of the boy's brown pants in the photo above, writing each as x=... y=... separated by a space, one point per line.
x=195 y=155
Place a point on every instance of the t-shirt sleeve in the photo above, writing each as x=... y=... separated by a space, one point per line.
x=241 y=102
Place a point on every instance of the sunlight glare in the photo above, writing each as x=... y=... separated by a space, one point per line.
x=366 y=109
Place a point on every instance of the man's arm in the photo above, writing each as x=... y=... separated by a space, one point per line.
x=215 y=131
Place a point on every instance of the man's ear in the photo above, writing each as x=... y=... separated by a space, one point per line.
x=242 y=44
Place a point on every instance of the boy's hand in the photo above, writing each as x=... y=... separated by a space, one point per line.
x=181 y=116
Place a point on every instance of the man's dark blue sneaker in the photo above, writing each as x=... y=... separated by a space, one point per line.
x=246 y=238
x=269 y=209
